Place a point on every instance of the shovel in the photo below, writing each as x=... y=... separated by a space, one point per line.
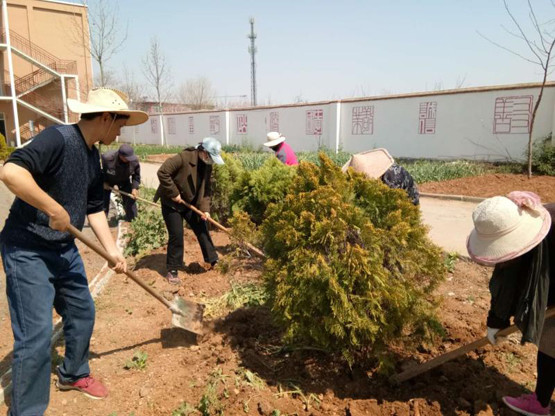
x=199 y=212
x=482 y=342
x=185 y=314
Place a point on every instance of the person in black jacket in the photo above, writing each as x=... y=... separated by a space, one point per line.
x=515 y=234
x=121 y=168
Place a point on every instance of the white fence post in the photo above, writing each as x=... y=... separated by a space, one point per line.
x=338 y=126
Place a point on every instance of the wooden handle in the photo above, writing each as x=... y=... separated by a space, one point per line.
x=99 y=250
x=199 y=212
x=422 y=368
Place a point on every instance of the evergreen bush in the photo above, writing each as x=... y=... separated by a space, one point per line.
x=224 y=182
x=543 y=156
x=350 y=266
x=5 y=150
x=258 y=188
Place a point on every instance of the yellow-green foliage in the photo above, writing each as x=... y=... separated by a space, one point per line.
x=5 y=150
x=256 y=189
x=224 y=181
x=350 y=268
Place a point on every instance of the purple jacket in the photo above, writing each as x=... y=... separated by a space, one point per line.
x=286 y=155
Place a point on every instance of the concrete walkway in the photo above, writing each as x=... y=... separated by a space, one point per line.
x=450 y=221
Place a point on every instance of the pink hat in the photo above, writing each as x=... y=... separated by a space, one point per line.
x=507 y=227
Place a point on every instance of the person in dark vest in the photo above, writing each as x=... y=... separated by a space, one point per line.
x=186 y=177
x=121 y=168
x=57 y=181
x=283 y=151
x=516 y=235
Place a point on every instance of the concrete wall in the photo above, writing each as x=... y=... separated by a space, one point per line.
x=490 y=123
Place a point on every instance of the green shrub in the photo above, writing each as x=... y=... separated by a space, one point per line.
x=256 y=189
x=146 y=232
x=543 y=157
x=224 y=181
x=5 y=150
x=353 y=253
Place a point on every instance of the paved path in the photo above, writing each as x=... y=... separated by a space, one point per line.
x=450 y=221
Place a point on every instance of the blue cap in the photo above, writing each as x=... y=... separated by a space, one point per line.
x=214 y=148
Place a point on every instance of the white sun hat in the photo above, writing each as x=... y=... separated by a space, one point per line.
x=507 y=227
x=102 y=100
x=274 y=138
x=373 y=163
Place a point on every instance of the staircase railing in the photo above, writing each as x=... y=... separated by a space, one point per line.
x=29 y=81
x=49 y=105
x=41 y=55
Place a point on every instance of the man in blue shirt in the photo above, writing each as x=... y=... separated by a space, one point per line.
x=57 y=181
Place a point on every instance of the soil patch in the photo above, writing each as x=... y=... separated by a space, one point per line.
x=240 y=366
x=494 y=184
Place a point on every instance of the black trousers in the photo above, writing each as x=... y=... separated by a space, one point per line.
x=129 y=204
x=546 y=378
x=174 y=224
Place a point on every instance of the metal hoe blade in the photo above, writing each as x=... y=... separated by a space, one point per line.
x=187 y=315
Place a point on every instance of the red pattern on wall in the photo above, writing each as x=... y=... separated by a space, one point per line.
x=427 y=117
x=362 y=120
x=513 y=114
x=171 y=125
x=314 y=122
x=241 y=123
x=274 y=121
x=214 y=124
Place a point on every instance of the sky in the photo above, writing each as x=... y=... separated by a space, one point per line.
x=326 y=50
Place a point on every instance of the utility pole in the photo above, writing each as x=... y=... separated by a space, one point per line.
x=252 y=51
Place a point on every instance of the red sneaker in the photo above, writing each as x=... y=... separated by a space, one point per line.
x=87 y=385
x=526 y=405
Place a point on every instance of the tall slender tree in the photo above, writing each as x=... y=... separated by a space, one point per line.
x=539 y=41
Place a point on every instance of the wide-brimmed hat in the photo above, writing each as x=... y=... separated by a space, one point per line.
x=373 y=163
x=507 y=227
x=274 y=138
x=102 y=100
x=127 y=152
x=214 y=149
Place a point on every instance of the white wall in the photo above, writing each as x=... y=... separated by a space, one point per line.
x=456 y=124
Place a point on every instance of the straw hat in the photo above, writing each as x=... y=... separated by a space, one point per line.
x=274 y=138
x=102 y=100
x=373 y=163
x=507 y=227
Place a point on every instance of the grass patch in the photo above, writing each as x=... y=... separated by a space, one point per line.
x=240 y=295
x=138 y=362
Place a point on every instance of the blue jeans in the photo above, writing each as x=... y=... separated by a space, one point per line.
x=37 y=280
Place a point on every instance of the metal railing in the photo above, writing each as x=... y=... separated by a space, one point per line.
x=41 y=55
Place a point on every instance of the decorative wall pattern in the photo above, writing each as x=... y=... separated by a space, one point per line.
x=363 y=120
x=427 y=117
x=314 y=122
x=513 y=114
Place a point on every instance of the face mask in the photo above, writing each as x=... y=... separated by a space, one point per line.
x=208 y=159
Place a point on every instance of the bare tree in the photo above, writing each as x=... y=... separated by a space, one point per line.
x=157 y=72
x=130 y=87
x=107 y=35
x=540 y=43
x=198 y=93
